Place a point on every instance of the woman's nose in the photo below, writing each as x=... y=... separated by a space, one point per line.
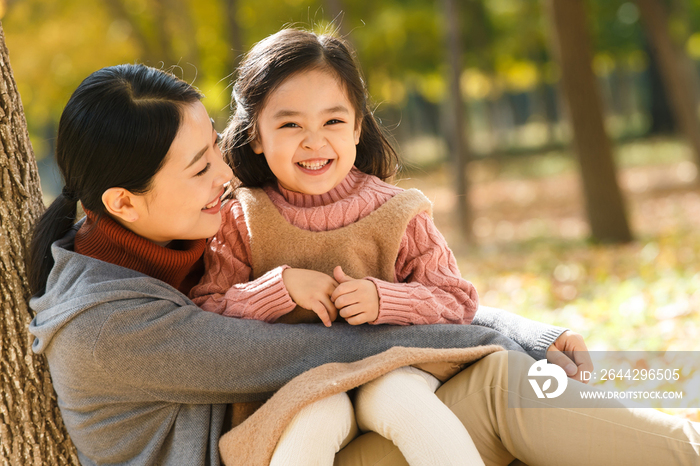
x=224 y=172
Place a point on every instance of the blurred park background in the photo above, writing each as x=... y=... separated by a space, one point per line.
x=560 y=146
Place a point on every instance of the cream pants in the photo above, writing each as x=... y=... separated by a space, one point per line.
x=400 y=406
x=539 y=433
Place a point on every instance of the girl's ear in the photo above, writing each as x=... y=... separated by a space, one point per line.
x=358 y=131
x=121 y=203
x=256 y=145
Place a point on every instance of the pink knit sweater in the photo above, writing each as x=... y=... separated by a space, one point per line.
x=428 y=290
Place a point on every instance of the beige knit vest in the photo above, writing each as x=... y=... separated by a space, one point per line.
x=366 y=248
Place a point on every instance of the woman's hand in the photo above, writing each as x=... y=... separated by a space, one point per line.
x=356 y=300
x=312 y=290
x=570 y=353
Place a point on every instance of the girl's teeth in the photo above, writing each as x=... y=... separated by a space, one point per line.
x=211 y=204
x=313 y=165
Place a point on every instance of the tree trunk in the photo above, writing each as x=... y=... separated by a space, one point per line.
x=662 y=119
x=675 y=72
x=31 y=429
x=604 y=205
x=458 y=141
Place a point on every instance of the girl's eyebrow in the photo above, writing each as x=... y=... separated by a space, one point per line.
x=337 y=109
x=284 y=113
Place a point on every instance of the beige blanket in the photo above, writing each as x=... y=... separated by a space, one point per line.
x=252 y=442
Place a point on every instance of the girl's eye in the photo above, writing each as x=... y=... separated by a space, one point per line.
x=204 y=170
x=289 y=125
x=334 y=121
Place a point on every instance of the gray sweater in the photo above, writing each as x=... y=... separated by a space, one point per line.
x=143 y=376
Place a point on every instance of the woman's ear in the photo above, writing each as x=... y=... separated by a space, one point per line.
x=121 y=204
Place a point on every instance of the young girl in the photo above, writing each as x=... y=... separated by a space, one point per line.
x=315 y=228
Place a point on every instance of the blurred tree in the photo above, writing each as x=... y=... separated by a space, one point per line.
x=159 y=27
x=662 y=119
x=675 y=72
x=458 y=126
x=335 y=11
x=234 y=33
x=31 y=428
x=604 y=204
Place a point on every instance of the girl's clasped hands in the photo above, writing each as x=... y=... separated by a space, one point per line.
x=355 y=300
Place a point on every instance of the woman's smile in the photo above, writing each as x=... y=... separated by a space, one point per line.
x=214 y=206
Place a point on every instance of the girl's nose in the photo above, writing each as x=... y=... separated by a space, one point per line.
x=313 y=141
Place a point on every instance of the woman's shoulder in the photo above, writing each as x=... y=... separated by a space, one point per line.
x=83 y=292
x=94 y=282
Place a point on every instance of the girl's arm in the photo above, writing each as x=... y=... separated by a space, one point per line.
x=226 y=288
x=429 y=288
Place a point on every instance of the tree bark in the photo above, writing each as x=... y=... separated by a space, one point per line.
x=458 y=137
x=604 y=204
x=675 y=72
x=31 y=429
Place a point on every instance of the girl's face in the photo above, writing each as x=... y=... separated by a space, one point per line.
x=184 y=201
x=307 y=132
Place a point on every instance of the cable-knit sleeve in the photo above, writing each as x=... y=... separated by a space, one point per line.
x=429 y=288
x=226 y=288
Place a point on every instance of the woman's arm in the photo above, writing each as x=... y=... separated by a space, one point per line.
x=175 y=352
x=535 y=337
x=226 y=288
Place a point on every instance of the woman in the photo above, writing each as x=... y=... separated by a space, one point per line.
x=142 y=375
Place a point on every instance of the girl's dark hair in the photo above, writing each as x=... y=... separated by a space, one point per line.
x=115 y=131
x=265 y=67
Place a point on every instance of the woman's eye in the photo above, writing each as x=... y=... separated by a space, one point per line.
x=204 y=170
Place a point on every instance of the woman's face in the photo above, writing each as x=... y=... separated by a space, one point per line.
x=185 y=199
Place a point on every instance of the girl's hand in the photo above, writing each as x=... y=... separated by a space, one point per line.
x=357 y=300
x=312 y=290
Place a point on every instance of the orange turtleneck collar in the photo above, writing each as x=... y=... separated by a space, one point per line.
x=180 y=264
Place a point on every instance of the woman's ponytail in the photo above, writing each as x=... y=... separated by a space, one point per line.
x=53 y=225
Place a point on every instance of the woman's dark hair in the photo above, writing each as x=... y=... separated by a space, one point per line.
x=265 y=67
x=115 y=131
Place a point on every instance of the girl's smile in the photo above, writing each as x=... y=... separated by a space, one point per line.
x=314 y=165
x=307 y=132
